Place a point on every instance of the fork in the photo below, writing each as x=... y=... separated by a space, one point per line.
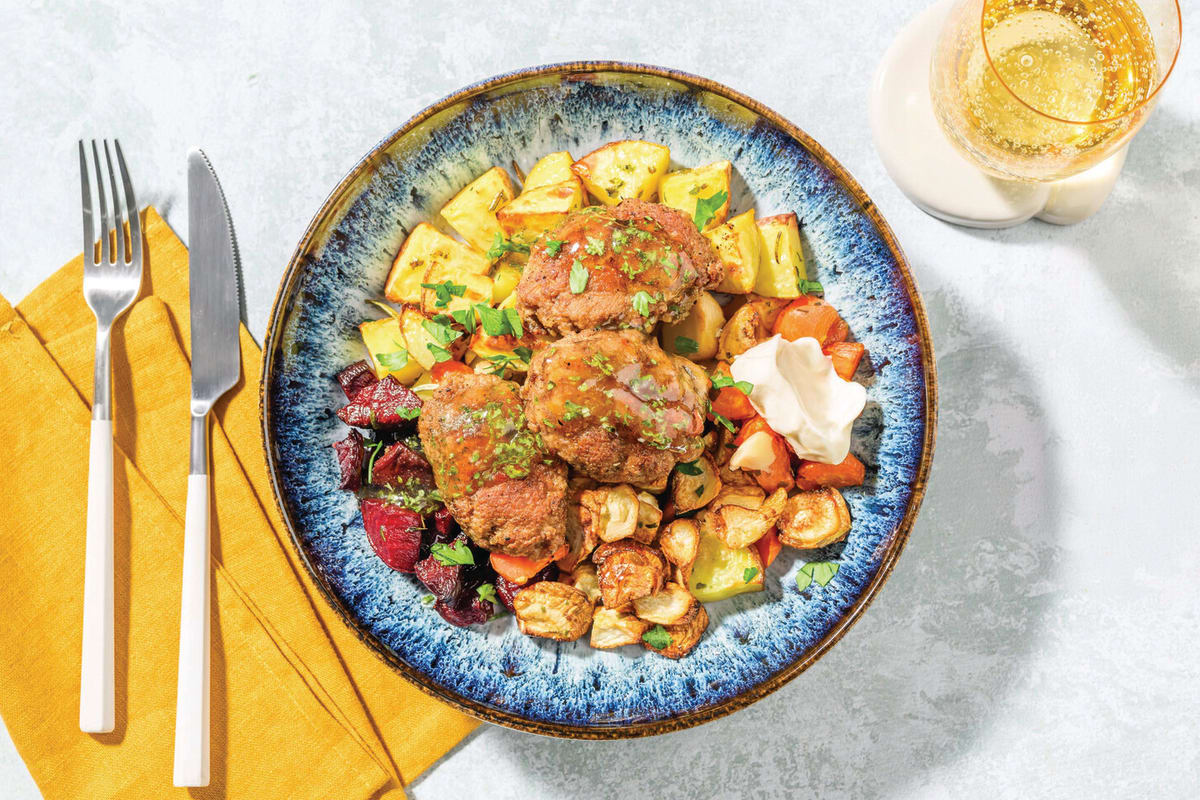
x=110 y=285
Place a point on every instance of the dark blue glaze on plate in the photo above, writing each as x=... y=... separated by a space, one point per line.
x=754 y=642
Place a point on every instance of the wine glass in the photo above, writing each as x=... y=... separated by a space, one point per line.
x=1039 y=90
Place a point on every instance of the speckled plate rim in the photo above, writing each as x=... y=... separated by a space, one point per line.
x=278 y=316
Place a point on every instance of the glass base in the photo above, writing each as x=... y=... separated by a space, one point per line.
x=935 y=175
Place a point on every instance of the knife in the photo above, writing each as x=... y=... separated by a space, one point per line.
x=214 y=274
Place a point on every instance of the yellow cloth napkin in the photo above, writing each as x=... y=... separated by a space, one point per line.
x=300 y=707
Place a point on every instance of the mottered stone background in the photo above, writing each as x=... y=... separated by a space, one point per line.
x=1041 y=634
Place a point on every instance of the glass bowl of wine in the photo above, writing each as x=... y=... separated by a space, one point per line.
x=1039 y=90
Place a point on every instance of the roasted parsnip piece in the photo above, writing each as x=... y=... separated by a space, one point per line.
x=552 y=610
x=678 y=541
x=814 y=519
x=649 y=518
x=692 y=491
x=684 y=636
x=628 y=570
x=609 y=513
x=738 y=526
x=744 y=329
x=583 y=578
x=612 y=628
x=672 y=606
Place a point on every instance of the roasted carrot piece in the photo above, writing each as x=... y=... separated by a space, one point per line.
x=444 y=368
x=779 y=473
x=519 y=569
x=807 y=316
x=846 y=357
x=731 y=402
x=850 y=472
x=768 y=547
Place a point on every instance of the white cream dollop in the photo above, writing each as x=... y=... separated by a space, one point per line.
x=801 y=397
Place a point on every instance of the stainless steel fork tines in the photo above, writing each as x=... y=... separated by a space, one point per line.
x=111 y=283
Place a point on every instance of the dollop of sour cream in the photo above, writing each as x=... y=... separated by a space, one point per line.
x=801 y=397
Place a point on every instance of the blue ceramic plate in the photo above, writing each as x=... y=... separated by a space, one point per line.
x=754 y=642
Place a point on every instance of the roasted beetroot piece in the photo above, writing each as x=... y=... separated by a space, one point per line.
x=350 y=460
x=445 y=527
x=385 y=405
x=506 y=590
x=355 y=378
x=393 y=531
x=400 y=465
x=475 y=612
x=444 y=581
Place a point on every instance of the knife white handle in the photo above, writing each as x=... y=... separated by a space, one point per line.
x=96 y=662
x=191 y=699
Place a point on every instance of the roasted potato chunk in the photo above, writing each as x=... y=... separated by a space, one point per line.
x=429 y=252
x=472 y=212
x=476 y=289
x=814 y=519
x=623 y=170
x=628 y=570
x=388 y=350
x=583 y=578
x=720 y=571
x=535 y=211
x=684 y=188
x=744 y=329
x=506 y=275
x=419 y=338
x=781 y=260
x=683 y=637
x=551 y=168
x=678 y=542
x=695 y=336
x=692 y=491
x=672 y=606
x=649 y=518
x=612 y=628
x=737 y=243
x=609 y=513
x=552 y=610
x=738 y=526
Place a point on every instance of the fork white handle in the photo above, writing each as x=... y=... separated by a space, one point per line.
x=96 y=703
x=192 y=690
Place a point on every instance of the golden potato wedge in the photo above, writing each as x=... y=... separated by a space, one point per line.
x=612 y=628
x=427 y=251
x=476 y=289
x=768 y=308
x=583 y=578
x=683 y=637
x=694 y=491
x=684 y=188
x=472 y=212
x=720 y=571
x=609 y=513
x=628 y=570
x=535 y=211
x=814 y=519
x=738 y=526
x=418 y=337
x=737 y=243
x=744 y=329
x=388 y=350
x=552 y=168
x=781 y=260
x=649 y=518
x=695 y=336
x=672 y=606
x=623 y=170
x=552 y=610
x=678 y=541
x=506 y=275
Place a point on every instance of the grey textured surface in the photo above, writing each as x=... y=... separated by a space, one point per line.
x=1041 y=634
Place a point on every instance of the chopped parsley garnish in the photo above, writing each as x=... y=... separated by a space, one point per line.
x=820 y=571
x=707 y=208
x=439 y=329
x=689 y=468
x=397 y=359
x=487 y=592
x=500 y=321
x=720 y=380
x=449 y=555
x=500 y=246
x=594 y=246
x=729 y=426
x=444 y=291
x=601 y=362
x=811 y=287
x=579 y=277
x=376 y=448
x=574 y=411
x=514 y=322
x=428 y=600
x=553 y=246
x=686 y=346
x=464 y=317
x=748 y=574
x=408 y=412
x=657 y=637
x=439 y=353
x=641 y=302
x=524 y=353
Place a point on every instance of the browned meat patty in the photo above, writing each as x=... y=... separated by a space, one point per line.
x=616 y=407
x=505 y=491
x=636 y=247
